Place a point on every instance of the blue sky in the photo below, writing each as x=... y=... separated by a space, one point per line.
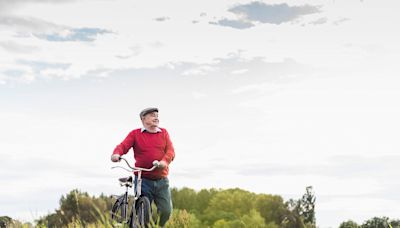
x=269 y=96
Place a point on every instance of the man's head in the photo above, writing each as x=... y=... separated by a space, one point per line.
x=149 y=117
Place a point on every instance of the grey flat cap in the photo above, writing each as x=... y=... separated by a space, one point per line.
x=147 y=111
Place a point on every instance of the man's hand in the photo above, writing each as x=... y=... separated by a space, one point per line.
x=115 y=158
x=162 y=164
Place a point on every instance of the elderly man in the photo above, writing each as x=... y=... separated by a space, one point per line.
x=151 y=143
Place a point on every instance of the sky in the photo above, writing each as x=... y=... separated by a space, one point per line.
x=267 y=96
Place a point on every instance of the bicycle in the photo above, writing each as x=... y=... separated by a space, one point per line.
x=140 y=213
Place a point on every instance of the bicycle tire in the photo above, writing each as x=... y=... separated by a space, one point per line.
x=118 y=211
x=143 y=213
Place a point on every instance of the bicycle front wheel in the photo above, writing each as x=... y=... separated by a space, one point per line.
x=143 y=212
x=118 y=211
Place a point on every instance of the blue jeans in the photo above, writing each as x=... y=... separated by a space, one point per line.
x=159 y=192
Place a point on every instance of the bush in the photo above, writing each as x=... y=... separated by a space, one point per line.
x=183 y=219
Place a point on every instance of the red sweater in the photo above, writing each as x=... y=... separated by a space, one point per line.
x=148 y=147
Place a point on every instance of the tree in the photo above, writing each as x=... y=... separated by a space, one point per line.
x=229 y=205
x=203 y=198
x=301 y=213
x=395 y=223
x=292 y=219
x=254 y=220
x=69 y=206
x=184 y=198
x=271 y=208
x=307 y=204
x=5 y=221
x=78 y=206
x=349 y=224
x=235 y=200
x=376 y=222
x=222 y=223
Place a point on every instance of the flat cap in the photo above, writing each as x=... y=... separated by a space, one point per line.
x=147 y=111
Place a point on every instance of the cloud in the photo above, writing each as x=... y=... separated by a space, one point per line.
x=38 y=65
x=201 y=70
x=340 y=21
x=273 y=14
x=32 y=70
x=237 y=24
x=240 y=71
x=7 y=2
x=27 y=26
x=136 y=50
x=14 y=73
x=81 y=34
x=233 y=65
x=162 y=19
x=260 y=87
x=319 y=21
x=258 y=12
x=354 y=166
x=26 y=71
x=6 y=5
x=15 y=47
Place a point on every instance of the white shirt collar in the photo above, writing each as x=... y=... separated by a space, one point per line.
x=144 y=129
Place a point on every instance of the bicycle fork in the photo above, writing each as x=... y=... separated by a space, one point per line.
x=124 y=211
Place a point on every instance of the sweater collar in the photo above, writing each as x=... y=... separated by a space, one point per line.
x=144 y=129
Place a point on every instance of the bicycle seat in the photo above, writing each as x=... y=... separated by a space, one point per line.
x=127 y=181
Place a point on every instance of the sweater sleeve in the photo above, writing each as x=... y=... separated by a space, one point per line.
x=169 y=149
x=125 y=145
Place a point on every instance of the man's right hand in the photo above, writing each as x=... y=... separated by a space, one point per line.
x=115 y=158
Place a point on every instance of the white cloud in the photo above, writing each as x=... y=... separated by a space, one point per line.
x=162 y=19
x=262 y=88
x=15 y=47
x=241 y=71
x=319 y=21
x=201 y=70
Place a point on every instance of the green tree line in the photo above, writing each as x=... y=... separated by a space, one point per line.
x=214 y=208
x=376 y=222
x=217 y=208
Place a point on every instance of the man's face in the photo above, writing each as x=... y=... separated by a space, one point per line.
x=151 y=119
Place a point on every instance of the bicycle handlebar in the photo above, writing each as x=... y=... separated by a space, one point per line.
x=136 y=169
